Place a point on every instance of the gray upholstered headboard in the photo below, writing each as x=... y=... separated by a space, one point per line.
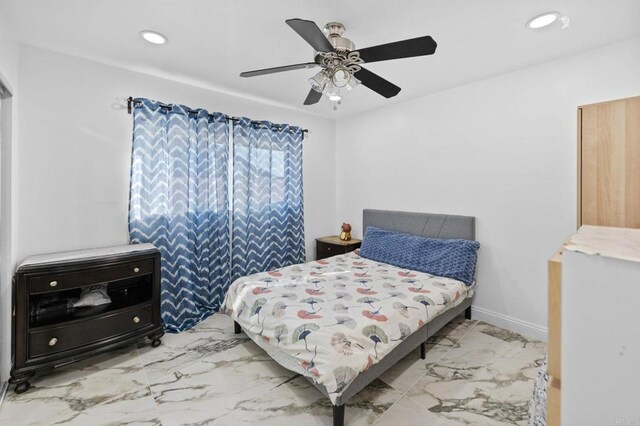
x=422 y=224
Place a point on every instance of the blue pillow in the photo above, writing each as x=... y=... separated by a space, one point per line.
x=445 y=258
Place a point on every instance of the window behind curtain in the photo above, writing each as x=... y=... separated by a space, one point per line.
x=268 y=211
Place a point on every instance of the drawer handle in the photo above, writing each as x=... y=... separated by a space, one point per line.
x=328 y=248
x=53 y=283
x=53 y=341
x=136 y=319
x=136 y=270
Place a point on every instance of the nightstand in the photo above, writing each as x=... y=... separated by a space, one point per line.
x=331 y=246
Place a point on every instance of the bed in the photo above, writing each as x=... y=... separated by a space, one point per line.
x=343 y=321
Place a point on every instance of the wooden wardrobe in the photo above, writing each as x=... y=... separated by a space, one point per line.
x=609 y=163
x=608 y=195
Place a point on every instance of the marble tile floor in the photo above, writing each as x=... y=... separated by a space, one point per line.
x=474 y=374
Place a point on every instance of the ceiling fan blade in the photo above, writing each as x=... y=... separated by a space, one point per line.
x=313 y=97
x=277 y=69
x=313 y=35
x=377 y=83
x=400 y=49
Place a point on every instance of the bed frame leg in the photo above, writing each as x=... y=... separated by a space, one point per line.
x=236 y=328
x=467 y=313
x=423 y=350
x=338 y=415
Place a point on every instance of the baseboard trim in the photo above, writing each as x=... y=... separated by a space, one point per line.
x=3 y=390
x=516 y=325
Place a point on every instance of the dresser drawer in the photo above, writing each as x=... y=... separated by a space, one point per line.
x=62 y=281
x=61 y=338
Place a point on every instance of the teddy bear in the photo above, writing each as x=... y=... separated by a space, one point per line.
x=345 y=235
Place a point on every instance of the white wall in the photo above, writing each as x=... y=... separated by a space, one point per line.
x=8 y=134
x=8 y=47
x=71 y=167
x=75 y=150
x=501 y=149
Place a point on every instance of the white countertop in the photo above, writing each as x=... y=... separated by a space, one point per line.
x=618 y=243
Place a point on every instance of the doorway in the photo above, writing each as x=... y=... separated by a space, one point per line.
x=5 y=233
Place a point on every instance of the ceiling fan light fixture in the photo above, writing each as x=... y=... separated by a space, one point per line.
x=341 y=77
x=319 y=81
x=353 y=83
x=332 y=92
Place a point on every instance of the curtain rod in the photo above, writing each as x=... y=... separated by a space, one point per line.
x=131 y=101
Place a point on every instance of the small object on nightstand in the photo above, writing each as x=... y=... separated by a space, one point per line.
x=345 y=235
x=331 y=246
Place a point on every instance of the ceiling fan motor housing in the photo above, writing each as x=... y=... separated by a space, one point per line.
x=334 y=31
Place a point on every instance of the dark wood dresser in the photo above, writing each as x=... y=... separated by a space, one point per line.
x=49 y=331
x=333 y=245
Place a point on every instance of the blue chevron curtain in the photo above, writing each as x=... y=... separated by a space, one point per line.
x=267 y=222
x=179 y=202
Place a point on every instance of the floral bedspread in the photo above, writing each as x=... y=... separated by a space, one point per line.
x=338 y=316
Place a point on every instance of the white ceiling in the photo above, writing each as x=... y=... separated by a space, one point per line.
x=211 y=42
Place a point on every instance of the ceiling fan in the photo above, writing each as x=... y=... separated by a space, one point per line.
x=341 y=63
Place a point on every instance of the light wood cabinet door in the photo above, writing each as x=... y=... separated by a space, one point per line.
x=609 y=163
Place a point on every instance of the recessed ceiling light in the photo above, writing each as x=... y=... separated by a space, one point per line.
x=153 y=37
x=543 y=20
